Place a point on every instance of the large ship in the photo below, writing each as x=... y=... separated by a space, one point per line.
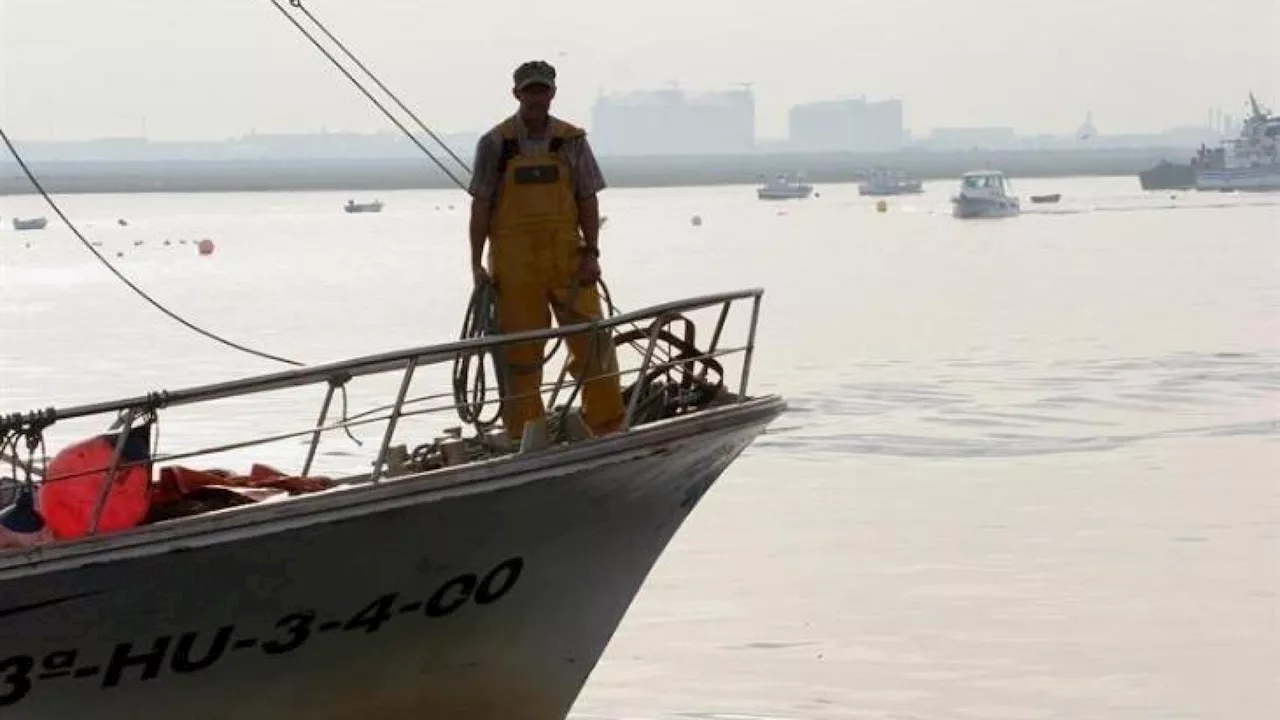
x=1247 y=162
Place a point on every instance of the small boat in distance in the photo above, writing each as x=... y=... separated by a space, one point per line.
x=370 y=207
x=784 y=187
x=984 y=194
x=38 y=223
x=881 y=182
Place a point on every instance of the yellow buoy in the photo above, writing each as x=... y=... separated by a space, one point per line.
x=882 y=206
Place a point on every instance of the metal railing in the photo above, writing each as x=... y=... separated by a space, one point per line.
x=652 y=324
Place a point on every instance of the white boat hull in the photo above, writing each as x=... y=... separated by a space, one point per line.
x=969 y=207
x=485 y=591
x=799 y=194
x=1266 y=177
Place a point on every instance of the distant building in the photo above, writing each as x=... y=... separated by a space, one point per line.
x=671 y=122
x=847 y=126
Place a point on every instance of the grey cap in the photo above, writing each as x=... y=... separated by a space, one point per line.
x=534 y=72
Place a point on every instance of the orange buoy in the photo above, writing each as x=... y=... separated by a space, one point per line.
x=74 y=479
x=205 y=246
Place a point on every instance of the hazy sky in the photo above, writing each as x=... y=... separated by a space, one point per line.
x=209 y=69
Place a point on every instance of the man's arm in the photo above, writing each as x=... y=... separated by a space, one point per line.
x=480 y=214
x=588 y=182
x=589 y=221
x=483 y=183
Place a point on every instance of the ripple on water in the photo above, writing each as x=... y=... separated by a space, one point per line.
x=962 y=409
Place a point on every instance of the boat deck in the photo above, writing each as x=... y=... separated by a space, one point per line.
x=665 y=375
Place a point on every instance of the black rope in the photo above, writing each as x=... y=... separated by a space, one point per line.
x=310 y=16
x=141 y=293
x=366 y=93
x=346 y=421
x=480 y=320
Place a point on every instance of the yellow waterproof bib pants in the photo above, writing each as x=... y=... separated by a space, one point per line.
x=534 y=258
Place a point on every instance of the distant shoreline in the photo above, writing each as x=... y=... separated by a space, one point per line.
x=155 y=176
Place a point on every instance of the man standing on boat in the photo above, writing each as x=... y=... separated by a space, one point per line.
x=533 y=188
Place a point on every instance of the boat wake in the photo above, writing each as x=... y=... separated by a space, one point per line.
x=1007 y=409
x=1149 y=207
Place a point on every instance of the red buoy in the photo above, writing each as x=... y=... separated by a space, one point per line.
x=74 y=479
x=205 y=246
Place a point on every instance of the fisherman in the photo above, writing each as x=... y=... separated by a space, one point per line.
x=533 y=187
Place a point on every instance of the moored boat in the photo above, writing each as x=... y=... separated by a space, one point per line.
x=882 y=182
x=785 y=187
x=366 y=207
x=36 y=223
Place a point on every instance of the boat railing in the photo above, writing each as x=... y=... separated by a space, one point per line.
x=665 y=353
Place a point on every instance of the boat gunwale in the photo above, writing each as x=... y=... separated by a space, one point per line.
x=349 y=501
x=342 y=371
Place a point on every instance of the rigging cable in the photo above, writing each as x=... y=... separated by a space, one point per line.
x=316 y=21
x=307 y=34
x=141 y=293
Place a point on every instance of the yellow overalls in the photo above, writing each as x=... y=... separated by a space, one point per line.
x=534 y=258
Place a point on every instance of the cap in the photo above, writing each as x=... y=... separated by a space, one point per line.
x=534 y=72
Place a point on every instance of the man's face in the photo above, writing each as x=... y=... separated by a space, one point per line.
x=535 y=100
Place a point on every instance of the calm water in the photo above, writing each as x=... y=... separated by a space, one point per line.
x=1032 y=467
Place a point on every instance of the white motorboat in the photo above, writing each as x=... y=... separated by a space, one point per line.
x=984 y=194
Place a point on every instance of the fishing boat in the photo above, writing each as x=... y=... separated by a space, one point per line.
x=785 y=187
x=466 y=577
x=984 y=194
x=452 y=572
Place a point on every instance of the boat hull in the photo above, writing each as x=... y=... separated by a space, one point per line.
x=968 y=207
x=1168 y=176
x=784 y=194
x=34 y=224
x=1263 y=178
x=879 y=191
x=479 y=592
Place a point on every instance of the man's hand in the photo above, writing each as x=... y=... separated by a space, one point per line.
x=588 y=270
